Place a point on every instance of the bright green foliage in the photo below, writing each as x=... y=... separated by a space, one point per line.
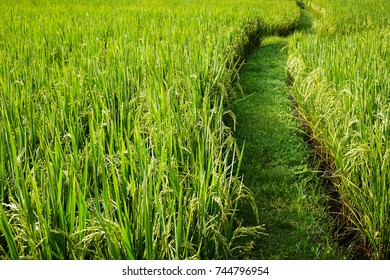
x=277 y=164
x=345 y=16
x=112 y=144
x=341 y=81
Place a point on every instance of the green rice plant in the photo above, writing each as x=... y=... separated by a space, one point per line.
x=342 y=83
x=112 y=140
x=345 y=16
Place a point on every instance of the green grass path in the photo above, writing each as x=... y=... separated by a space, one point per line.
x=277 y=165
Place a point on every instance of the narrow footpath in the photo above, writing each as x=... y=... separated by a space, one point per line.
x=277 y=164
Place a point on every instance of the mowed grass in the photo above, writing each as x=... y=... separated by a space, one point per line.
x=278 y=166
x=112 y=144
x=342 y=85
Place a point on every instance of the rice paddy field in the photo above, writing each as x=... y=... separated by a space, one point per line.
x=112 y=140
x=113 y=143
x=342 y=85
